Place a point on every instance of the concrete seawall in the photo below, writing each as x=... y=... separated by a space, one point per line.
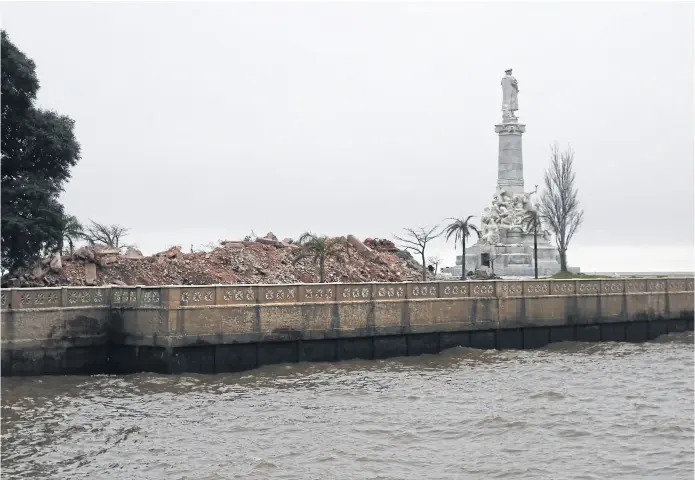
x=212 y=329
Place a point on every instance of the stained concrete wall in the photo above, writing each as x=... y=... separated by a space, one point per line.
x=233 y=327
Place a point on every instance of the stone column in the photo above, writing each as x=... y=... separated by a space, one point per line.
x=510 y=173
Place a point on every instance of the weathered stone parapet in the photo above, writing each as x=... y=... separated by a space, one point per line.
x=87 y=329
x=227 y=295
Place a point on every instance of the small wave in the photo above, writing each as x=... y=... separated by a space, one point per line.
x=265 y=465
x=498 y=421
x=552 y=395
x=573 y=433
x=668 y=429
x=585 y=348
x=681 y=337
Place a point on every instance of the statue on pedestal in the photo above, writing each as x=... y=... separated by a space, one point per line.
x=510 y=95
x=509 y=226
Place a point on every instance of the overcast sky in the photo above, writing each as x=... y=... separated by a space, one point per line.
x=203 y=121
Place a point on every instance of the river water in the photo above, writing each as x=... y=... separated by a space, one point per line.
x=589 y=411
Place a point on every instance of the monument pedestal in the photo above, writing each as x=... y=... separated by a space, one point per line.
x=513 y=260
x=510 y=162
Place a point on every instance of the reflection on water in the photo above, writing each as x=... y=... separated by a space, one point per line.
x=567 y=411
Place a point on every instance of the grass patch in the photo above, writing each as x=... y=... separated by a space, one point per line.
x=583 y=276
x=578 y=276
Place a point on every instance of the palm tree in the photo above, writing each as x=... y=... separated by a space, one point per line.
x=320 y=248
x=532 y=222
x=72 y=231
x=461 y=229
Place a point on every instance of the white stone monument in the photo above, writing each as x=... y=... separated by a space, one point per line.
x=506 y=246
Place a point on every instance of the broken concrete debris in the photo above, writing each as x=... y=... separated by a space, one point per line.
x=90 y=274
x=263 y=260
x=56 y=264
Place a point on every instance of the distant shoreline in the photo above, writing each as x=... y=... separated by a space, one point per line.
x=644 y=274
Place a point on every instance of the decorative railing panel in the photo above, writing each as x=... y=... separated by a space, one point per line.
x=635 y=285
x=82 y=297
x=354 y=292
x=237 y=295
x=482 y=289
x=510 y=289
x=36 y=298
x=197 y=296
x=278 y=294
x=209 y=295
x=423 y=290
x=588 y=287
x=676 y=285
x=318 y=292
x=453 y=289
x=537 y=288
x=563 y=287
x=150 y=297
x=612 y=286
x=124 y=297
x=656 y=285
x=388 y=291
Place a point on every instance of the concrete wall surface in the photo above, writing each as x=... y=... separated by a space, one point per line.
x=82 y=330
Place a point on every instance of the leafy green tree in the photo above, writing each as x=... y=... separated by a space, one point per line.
x=319 y=249
x=461 y=229
x=38 y=151
x=72 y=231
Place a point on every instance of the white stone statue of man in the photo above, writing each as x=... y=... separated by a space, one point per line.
x=510 y=94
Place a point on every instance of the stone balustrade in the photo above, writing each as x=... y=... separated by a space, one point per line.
x=214 y=328
x=221 y=295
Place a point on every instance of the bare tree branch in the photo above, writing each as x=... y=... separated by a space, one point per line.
x=559 y=206
x=419 y=238
x=109 y=235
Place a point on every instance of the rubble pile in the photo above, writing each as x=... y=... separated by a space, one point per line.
x=483 y=273
x=263 y=260
x=381 y=245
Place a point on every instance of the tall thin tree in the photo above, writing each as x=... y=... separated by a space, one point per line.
x=419 y=238
x=461 y=229
x=531 y=221
x=559 y=206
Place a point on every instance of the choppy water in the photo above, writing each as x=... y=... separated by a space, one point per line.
x=603 y=411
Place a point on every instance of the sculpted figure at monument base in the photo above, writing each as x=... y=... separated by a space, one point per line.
x=506 y=213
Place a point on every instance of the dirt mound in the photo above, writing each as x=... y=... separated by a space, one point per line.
x=265 y=260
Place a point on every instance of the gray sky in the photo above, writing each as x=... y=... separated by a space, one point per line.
x=200 y=122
